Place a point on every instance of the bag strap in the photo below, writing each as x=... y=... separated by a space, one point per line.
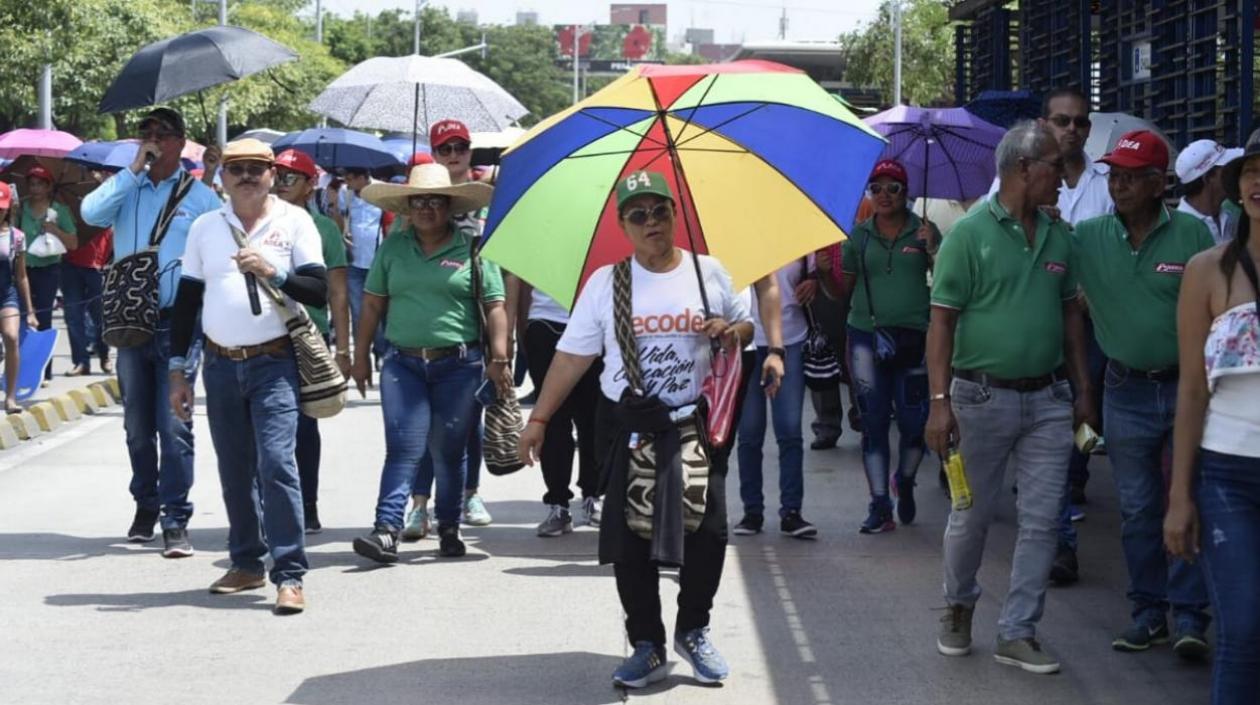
x=1249 y=268
x=167 y=213
x=286 y=312
x=866 y=280
x=474 y=263
x=623 y=327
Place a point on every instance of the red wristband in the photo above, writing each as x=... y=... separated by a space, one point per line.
x=540 y=422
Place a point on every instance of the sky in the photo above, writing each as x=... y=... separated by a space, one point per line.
x=733 y=21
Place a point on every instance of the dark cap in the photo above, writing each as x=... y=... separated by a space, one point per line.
x=1233 y=170
x=168 y=117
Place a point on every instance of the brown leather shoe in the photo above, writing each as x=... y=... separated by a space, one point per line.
x=107 y=365
x=289 y=600
x=77 y=371
x=236 y=580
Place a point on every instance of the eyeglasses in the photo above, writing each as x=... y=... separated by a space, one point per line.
x=893 y=189
x=640 y=216
x=429 y=202
x=1126 y=178
x=1061 y=121
x=450 y=148
x=239 y=170
x=289 y=178
x=155 y=135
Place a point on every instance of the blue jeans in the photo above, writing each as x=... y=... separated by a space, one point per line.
x=1229 y=515
x=252 y=407
x=900 y=384
x=356 y=278
x=1033 y=431
x=785 y=409
x=470 y=461
x=1138 y=414
x=1078 y=468
x=149 y=424
x=428 y=408
x=81 y=287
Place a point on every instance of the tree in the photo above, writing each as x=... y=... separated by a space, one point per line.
x=927 y=41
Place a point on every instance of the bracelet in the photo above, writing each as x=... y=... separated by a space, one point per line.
x=939 y=397
x=500 y=361
x=782 y=353
x=343 y=353
x=540 y=422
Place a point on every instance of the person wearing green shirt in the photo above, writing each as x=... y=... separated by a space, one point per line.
x=885 y=263
x=430 y=378
x=1004 y=312
x=296 y=179
x=1130 y=267
x=40 y=214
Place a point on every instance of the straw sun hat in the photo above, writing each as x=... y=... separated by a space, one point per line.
x=425 y=180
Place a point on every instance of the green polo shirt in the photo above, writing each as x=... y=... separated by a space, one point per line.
x=897 y=270
x=1133 y=293
x=334 y=258
x=430 y=296
x=1009 y=294
x=32 y=227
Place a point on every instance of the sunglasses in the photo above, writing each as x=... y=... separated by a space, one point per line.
x=1127 y=178
x=1081 y=121
x=155 y=135
x=289 y=178
x=892 y=189
x=254 y=170
x=450 y=148
x=429 y=202
x=640 y=216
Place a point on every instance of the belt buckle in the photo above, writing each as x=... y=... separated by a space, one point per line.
x=237 y=354
x=428 y=354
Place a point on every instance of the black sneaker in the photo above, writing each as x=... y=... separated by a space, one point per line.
x=177 y=545
x=906 y=508
x=795 y=526
x=1077 y=494
x=823 y=443
x=310 y=514
x=142 y=526
x=1191 y=644
x=1065 y=570
x=381 y=545
x=751 y=524
x=449 y=545
x=878 y=517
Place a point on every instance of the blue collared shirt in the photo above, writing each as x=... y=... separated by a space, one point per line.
x=130 y=203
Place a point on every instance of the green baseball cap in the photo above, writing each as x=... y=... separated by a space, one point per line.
x=641 y=182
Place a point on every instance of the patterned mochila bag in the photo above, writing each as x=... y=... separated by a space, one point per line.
x=503 y=419
x=129 y=300
x=693 y=448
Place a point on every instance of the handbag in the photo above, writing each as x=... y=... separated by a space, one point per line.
x=819 y=360
x=885 y=342
x=46 y=245
x=503 y=419
x=693 y=443
x=322 y=388
x=129 y=299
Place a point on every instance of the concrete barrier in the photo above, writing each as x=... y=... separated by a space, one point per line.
x=115 y=390
x=45 y=415
x=100 y=395
x=66 y=408
x=25 y=425
x=8 y=436
x=84 y=400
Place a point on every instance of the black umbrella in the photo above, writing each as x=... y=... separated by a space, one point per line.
x=189 y=63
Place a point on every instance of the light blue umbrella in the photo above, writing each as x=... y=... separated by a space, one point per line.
x=113 y=156
x=338 y=148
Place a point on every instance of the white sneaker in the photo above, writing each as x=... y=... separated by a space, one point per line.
x=417 y=526
x=592 y=510
x=558 y=522
x=475 y=513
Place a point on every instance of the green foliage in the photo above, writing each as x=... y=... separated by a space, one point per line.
x=927 y=55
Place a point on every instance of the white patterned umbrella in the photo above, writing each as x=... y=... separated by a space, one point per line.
x=409 y=93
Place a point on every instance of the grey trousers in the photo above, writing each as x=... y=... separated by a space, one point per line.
x=1032 y=430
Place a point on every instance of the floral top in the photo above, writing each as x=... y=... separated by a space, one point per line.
x=1233 y=343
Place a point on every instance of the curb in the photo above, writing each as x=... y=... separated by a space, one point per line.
x=25 y=426
x=47 y=415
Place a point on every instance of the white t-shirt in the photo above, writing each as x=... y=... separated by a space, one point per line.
x=545 y=308
x=286 y=237
x=668 y=317
x=1218 y=226
x=795 y=327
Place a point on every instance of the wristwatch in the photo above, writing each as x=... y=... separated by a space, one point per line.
x=939 y=397
x=777 y=351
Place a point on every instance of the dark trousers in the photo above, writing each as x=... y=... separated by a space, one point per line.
x=578 y=410
x=828 y=405
x=44 y=282
x=81 y=287
x=308 y=451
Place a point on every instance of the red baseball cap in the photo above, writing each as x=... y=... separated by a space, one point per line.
x=891 y=169
x=446 y=131
x=39 y=172
x=293 y=160
x=1140 y=149
x=420 y=158
x=6 y=195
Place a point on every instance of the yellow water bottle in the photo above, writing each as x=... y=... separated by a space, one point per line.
x=959 y=490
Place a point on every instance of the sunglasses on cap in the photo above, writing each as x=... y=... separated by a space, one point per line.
x=1081 y=121
x=429 y=202
x=289 y=178
x=456 y=147
x=639 y=216
x=893 y=189
x=254 y=170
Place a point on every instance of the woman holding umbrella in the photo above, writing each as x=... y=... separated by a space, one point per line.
x=41 y=214
x=15 y=293
x=885 y=266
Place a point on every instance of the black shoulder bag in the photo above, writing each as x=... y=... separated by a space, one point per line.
x=129 y=302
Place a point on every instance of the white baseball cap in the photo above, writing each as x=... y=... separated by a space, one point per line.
x=1198 y=158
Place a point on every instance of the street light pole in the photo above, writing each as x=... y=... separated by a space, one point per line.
x=45 y=97
x=221 y=132
x=419 y=6
x=319 y=21
x=896 y=9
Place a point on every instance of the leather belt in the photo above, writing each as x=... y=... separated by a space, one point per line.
x=434 y=354
x=278 y=346
x=1167 y=374
x=1023 y=384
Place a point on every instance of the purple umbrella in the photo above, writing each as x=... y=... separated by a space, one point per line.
x=947 y=152
x=37 y=143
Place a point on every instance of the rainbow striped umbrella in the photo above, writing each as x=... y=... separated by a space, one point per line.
x=767 y=165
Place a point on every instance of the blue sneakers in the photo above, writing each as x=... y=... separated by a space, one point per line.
x=645 y=666
x=696 y=649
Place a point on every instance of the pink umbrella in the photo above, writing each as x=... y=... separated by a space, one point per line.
x=37 y=143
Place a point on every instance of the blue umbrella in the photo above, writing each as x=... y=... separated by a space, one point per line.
x=338 y=148
x=1005 y=108
x=402 y=147
x=112 y=156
